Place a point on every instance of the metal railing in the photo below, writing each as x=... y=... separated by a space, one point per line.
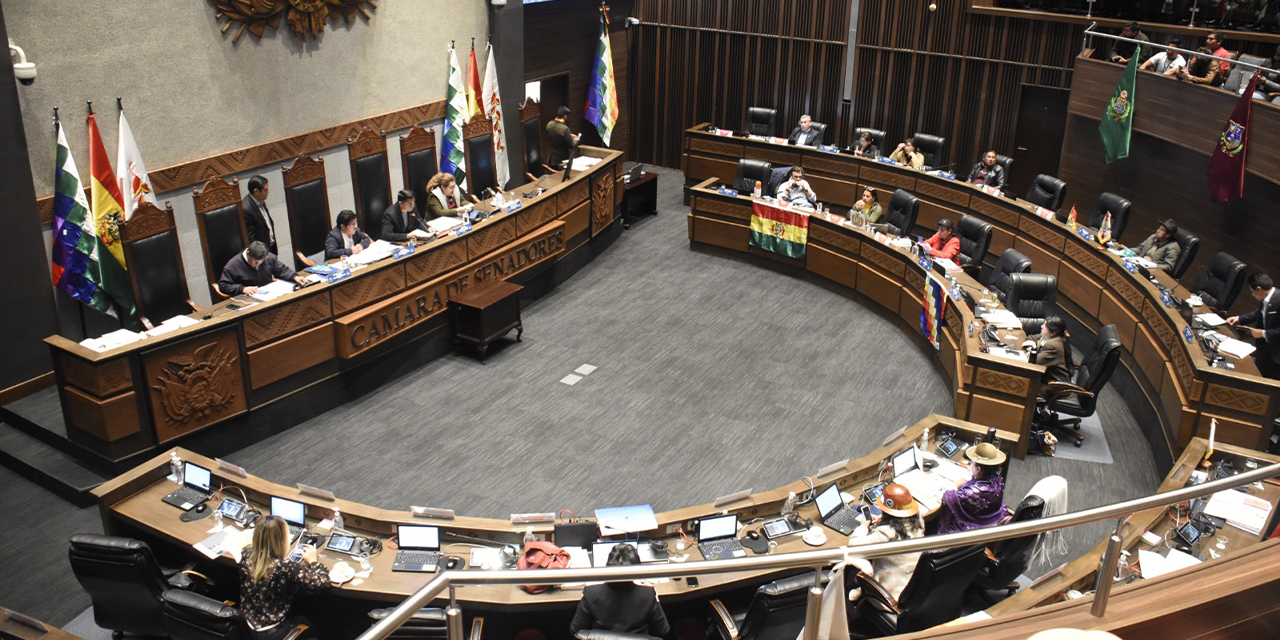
x=1089 y=33
x=817 y=560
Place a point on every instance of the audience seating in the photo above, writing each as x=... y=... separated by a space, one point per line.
x=191 y=616
x=749 y=172
x=776 y=611
x=306 y=196
x=1118 y=207
x=1007 y=164
x=477 y=144
x=1080 y=399
x=370 y=182
x=418 y=163
x=877 y=136
x=156 y=274
x=220 y=221
x=531 y=120
x=1007 y=560
x=975 y=239
x=1031 y=298
x=1239 y=76
x=1189 y=247
x=1010 y=262
x=933 y=596
x=900 y=216
x=761 y=121
x=1048 y=192
x=933 y=147
x=1221 y=282
x=124 y=582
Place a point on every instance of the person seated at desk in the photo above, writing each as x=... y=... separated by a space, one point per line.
x=979 y=502
x=1165 y=63
x=401 y=220
x=865 y=147
x=796 y=189
x=868 y=206
x=1050 y=349
x=944 y=243
x=805 y=135
x=443 y=198
x=346 y=239
x=988 y=172
x=900 y=520
x=624 y=607
x=1161 y=247
x=560 y=141
x=906 y=154
x=1267 y=316
x=253 y=268
x=269 y=580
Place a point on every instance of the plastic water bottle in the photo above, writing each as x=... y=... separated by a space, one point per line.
x=528 y=535
x=175 y=467
x=789 y=504
x=338 y=524
x=759 y=189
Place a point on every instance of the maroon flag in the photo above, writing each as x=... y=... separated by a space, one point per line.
x=1226 y=169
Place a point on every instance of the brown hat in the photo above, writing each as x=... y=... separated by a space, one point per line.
x=986 y=454
x=896 y=500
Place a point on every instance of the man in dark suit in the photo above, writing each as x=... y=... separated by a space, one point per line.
x=559 y=139
x=257 y=219
x=346 y=239
x=1267 y=317
x=805 y=134
x=401 y=221
x=253 y=268
x=624 y=607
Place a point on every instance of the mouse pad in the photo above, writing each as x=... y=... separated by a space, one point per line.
x=758 y=546
x=188 y=516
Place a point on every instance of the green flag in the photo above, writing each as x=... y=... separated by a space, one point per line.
x=1117 y=120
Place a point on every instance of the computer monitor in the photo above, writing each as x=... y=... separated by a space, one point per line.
x=418 y=537
x=568 y=164
x=196 y=477
x=295 y=513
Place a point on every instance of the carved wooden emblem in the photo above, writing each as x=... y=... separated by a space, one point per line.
x=306 y=18
x=197 y=386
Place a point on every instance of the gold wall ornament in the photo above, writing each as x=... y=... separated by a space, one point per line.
x=306 y=18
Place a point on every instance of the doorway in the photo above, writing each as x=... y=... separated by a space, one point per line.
x=1037 y=140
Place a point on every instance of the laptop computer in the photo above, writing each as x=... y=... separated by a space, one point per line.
x=419 y=548
x=718 y=538
x=196 y=481
x=905 y=461
x=833 y=511
x=293 y=513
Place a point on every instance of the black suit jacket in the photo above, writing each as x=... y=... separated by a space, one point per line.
x=814 y=139
x=560 y=142
x=238 y=274
x=1272 y=334
x=256 y=225
x=620 y=606
x=336 y=247
x=394 y=227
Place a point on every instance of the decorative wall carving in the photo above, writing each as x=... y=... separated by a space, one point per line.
x=829 y=165
x=1240 y=400
x=988 y=208
x=883 y=260
x=1127 y=291
x=99 y=379
x=834 y=238
x=1040 y=232
x=286 y=319
x=941 y=192
x=915 y=280
x=601 y=202
x=712 y=146
x=490 y=238
x=890 y=178
x=720 y=207
x=303 y=170
x=1000 y=382
x=194 y=383
x=1087 y=259
x=569 y=198
x=432 y=263
x=535 y=216
x=367 y=143
x=306 y=18
x=215 y=193
x=351 y=295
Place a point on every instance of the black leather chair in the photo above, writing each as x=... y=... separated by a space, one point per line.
x=482 y=167
x=821 y=128
x=1189 y=246
x=371 y=182
x=534 y=159
x=306 y=195
x=1221 y=282
x=418 y=163
x=900 y=216
x=601 y=634
x=975 y=239
x=1031 y=298
x=778 y=176
x=1007 y=164
x=1080 y=398
x=1006 y=560
x=749 y=172
x=221 y=224
x=1011 y=261
x=934 y=594
x=1048 y=192
x=156 y=275
x=124 y=581
x=933 y=147
x=877 y=136
x=776 y=612
x=761 y=121
x=1118 y=207
x=191 y=616
x=427 y=623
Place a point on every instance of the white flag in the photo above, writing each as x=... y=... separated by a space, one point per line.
x=135 y=184
x=493 y=110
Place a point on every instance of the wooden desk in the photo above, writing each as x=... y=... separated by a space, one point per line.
x=10 y=629
x=485 y=314
x=640 y=196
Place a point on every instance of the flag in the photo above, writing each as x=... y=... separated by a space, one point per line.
x=104 y=195
x=76 y=248
x=602 y=95
x=1117 y=119
x=1104 y=232
x=135 y=185
x=452 y=158
x=933 y=309
x=1071 y=218
x=474 y=99
x=1226 y=169
x=779 y=230
x=492 y=104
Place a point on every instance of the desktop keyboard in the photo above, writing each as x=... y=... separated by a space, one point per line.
x=729 y=547
x=418 y=557
x=844 y=521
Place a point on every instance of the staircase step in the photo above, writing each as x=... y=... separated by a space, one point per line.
x=47 y=466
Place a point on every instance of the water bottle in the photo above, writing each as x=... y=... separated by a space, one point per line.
x=175 y=467
x=924 y=440
x=528 y=535
x=338 y=524
x=758 y=190
x=789 y=504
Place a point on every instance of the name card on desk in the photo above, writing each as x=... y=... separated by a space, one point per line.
x=1045 y=213
x=400 y=253
x=512 y=206
x=726 y=191
x=887 y=160
x=1188 y=335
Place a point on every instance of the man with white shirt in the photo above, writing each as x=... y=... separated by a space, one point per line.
x=805 y=134
x=346 y=239
x=257 y=219
x=1165 y=63
x=1267 y=316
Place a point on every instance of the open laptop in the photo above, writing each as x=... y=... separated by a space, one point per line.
x=718 y=538
x=196 y=481
x=833 y=511
x=419 y=548
x=293 y=513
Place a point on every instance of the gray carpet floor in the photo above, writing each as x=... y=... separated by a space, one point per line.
x=714 y=375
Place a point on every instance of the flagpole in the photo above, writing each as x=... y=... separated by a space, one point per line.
x=119 y=103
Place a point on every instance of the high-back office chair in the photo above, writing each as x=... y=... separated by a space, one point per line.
x=426 y=623
x=933 y=596
x=601 y=634
x=371 y=182
x=761 y=121
x=933 y=147
x=1221 y=282
x=1239 y=75
x=306 y=196
x=191 y=616
x=778 y=176
x=1005 y=163
x=821 y=128
x=877 y=136
x=418 y=163
x=1011 y=261
x=776 y=612
x=1048 y=192
x=220 y=221
x=482 y=166
x=975 y=239
x=900 y=216
x=531 y=120
x=1189 y=246
x=749 y=172
x=1031 y=298
x=156 y=274
x=1080 y=399
x=1008 y=559
x=124 y=582
x=1118 y=207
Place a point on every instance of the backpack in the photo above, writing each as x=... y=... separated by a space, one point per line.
x=540 y=554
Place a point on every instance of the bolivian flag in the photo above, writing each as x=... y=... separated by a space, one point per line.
x=778 y=230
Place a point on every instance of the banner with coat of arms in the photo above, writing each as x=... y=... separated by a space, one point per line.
x=1117 y=120
x=783 y=231
x=1226 y=169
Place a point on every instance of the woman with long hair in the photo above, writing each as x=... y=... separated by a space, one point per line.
x=899 y=520
x=443 y=198
x=269 y=580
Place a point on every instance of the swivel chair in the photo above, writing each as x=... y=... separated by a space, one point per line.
x=761 y=121
x=877 y=136
x=1011 y=261
x=821 y=128
x=191 y=616
x=1006 y=163
x=124 y=582
x=1008 y=559
x=1118 y=207
x=1031 y=298
x=933 y=147
x=900 y=216
x=749 y=171
x=934 y=594
x=975 y=239
x=1221 y=282
x=1080 y=398
x=1189 y=246
x=1048 y=192
x=776 y=612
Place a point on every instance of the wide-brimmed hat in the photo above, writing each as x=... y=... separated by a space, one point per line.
x=986 y=454
x=896 y=500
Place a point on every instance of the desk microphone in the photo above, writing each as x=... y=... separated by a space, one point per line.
x=945 y=166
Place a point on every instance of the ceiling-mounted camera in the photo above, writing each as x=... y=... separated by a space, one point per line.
x=24 y=71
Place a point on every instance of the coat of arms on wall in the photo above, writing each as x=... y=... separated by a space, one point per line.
x=197 y=386
x=306 y=17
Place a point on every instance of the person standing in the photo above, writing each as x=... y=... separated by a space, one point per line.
x=257 y=219
x=1267 y=317
x=560 y=140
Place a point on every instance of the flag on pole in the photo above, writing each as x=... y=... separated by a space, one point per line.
x=135 y=184
x=493 y=109
x=104 y=195
x=1226 y=168
x=474 y=100
x=932 y=311
x=452 y=158
x=1071 y=218
x=1117 y=120
x=1104 y=232
x=602 y=96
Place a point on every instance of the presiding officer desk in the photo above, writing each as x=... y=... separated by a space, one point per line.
x=125 y=403
x=1094 y=287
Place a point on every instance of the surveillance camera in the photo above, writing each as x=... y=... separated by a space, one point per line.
x=25 y=72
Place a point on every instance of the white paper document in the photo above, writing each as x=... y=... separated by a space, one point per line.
x=947 y=264
x=1154 y=565
x=117 y=338
x=273 y=290
x=373 y=253
x=1240 y=510
x=1236 y=348
x=1211 y=319
x=444 y=223
x=1002 y=318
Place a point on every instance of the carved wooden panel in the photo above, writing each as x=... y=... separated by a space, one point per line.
x=529 y=110
x=570 y=197
x=1120 y=284
x=429 y=264
x=303 y=170
x=417 y=139
x=215 y=193
x=1087 y=258
x=1040 y=232
x=194 y=383
x=883 y=260
x=1001 y=382
x=957 y=197
x=532 y=217
x=956 y=324
x=891 y=178
x=1174 y=348
x=741 y=211
x=286 y=319
x=834 y=238
x=831 y=165
x=147 y=220
x=477 y=126
x=994 y=211
x=774 y=156
x=367 y=143
x=915 y=280
x=1237 y=399
x=101 y=378
x=357 y=293
x=715 y=146
x=489 y=238
x=602 y=202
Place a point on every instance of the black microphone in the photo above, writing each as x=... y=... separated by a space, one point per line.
x=945 y=166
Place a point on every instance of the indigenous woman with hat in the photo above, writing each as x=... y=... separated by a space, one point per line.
x=900 y=521
x=979 y=502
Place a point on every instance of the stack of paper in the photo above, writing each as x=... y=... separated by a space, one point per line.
x=947 y=264
x=1211 y=319
x=1240 y=510
x=373 y=253
x=1235 y=348
x=444 y=223
x=1154 y=565
x=230 y=541
x=273 y=290
x=172 y=324
x=925 y=488
x=1002 y=318
x=1145 y=263
x=117 y=338
x=583 y=162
